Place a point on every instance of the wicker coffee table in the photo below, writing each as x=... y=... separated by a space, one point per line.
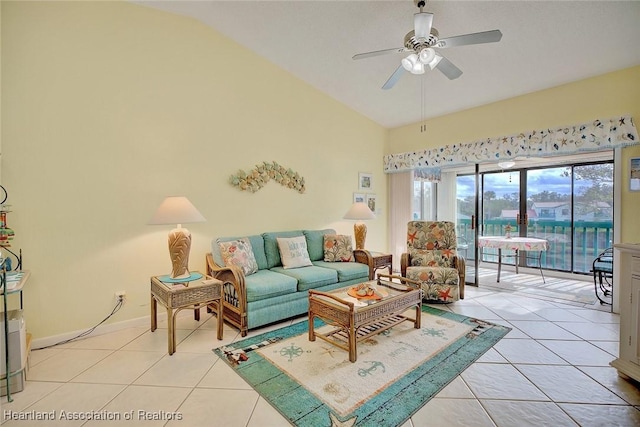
x=356 y=319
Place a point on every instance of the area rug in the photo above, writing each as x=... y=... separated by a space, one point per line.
x=396 y=372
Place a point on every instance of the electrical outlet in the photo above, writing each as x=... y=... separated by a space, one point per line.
x=121 y=296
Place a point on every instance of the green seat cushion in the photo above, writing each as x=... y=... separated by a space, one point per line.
x=257 y=246
x=271 y=250
x=315 y=243
x=346 y=270
x=310 y=277
x=268 y=284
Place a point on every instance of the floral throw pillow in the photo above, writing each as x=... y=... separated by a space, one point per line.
x=338 y=248
x=293 y=252
x=239 y=253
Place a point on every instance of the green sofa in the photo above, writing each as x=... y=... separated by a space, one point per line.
x=274 y=293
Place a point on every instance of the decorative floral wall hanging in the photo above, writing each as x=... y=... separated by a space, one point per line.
x=258 y=177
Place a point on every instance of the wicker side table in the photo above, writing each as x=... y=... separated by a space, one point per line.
x=178 y=296
x=378 y=261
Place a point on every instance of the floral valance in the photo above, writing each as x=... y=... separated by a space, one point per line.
x=598 y=135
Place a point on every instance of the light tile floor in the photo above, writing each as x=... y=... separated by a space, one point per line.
x=552 y=369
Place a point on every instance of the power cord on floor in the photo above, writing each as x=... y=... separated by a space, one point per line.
x=117 y=307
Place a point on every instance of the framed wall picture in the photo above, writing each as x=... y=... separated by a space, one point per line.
x=359 y=197
x=365 y=181
x=371 y=202
x=634 y=174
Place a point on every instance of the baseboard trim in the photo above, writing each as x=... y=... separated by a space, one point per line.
x=100 y=330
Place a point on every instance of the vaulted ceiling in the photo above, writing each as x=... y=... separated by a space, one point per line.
x=544 y=44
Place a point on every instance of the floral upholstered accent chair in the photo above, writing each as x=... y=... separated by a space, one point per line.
x=432 y=259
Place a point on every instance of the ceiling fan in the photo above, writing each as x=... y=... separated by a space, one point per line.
x=421 y=42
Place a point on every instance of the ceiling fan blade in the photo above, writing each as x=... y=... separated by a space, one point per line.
x=447 y=68
x=475 y=38
x=422 y=24
x=379 y=52
x=391 y=81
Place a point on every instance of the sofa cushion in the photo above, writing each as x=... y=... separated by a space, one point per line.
x=310 y=277
x=347 y=270
x=293 y=252
x=257 y=245
x=271 y=250
x=268 y=284
x=315 y=243
x=338 y=248
x=239 y=253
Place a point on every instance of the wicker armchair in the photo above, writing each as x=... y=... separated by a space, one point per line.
x=234 y=293
x=432 y=259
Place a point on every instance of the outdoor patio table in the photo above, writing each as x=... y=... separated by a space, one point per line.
x=514 y=244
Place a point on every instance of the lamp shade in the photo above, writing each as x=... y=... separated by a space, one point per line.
x=359 y=210
x=176 y=210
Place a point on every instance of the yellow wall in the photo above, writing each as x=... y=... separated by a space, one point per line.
x=109 y=107
x=604 y=96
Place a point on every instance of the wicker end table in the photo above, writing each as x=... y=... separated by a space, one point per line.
x=379 y=261
x=175 y=297
x=354 y=323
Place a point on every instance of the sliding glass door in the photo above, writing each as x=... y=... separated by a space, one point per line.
x=569 y=206
x=548 y=215
x=466 y=205
x=592 y=213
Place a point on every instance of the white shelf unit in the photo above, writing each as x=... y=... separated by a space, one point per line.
x=628 y=361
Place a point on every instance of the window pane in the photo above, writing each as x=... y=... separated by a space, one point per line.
x=423 y=201
x=593 y=214
x=549 y=213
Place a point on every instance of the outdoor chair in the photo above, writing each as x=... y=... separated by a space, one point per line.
x=432 y=259
x=602 y=269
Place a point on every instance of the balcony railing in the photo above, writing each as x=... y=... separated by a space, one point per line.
x=586 y=240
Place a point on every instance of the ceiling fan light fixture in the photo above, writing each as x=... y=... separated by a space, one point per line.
x=506 y=164
x=412 y=64
x=409 y=62
x=427 y=55
x=418 y=69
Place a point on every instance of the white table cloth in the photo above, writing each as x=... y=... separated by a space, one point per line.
x=514 y=244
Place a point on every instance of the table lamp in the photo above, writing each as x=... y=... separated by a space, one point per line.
x=359 y=211
x=178 y=210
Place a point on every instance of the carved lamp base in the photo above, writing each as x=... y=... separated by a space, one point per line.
x=179 y=248
x=360 y=231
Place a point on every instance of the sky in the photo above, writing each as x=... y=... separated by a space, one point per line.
x=539 y=180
